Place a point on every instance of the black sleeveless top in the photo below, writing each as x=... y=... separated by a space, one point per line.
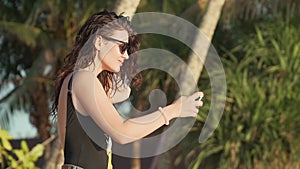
x=80 y=149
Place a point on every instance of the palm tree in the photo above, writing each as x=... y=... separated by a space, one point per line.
x=234 y=11
x=35 y=36
x=27 y=48
x=206 y=27
x=253 y=10
x=128 y=7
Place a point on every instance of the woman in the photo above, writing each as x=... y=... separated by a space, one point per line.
x=90 y=82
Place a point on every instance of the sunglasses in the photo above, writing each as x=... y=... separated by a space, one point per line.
x=123 y=47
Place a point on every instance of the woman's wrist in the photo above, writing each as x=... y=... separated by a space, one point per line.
x=170 y=112
x=163 y=113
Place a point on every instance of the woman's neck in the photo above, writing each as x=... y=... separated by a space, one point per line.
x=95 y=67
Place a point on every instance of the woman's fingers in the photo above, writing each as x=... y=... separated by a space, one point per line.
x=197 y=96
x=190 y=105
x=199 y=103
x=196 y=99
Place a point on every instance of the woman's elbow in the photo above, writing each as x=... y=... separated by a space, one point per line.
x=123 y=140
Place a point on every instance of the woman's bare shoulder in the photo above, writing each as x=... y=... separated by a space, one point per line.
x=84 y=80
x=81 y=76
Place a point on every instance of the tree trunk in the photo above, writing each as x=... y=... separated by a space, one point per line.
x=39 y=116
x=207 y=27
x=128 y=7
x=56 y=159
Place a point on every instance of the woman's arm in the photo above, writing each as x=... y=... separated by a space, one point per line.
x=93 y=101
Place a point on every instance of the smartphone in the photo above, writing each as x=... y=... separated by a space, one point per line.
x=199 y=98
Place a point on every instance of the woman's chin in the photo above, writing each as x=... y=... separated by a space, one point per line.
x=115 y=70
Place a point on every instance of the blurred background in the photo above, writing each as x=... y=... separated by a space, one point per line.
x=258 y=42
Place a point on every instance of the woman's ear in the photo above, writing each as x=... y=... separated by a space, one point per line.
x=98 y=42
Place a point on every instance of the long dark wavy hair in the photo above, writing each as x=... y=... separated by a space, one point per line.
x=102 y=23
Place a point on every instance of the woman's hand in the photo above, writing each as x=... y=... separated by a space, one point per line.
x=185 y=106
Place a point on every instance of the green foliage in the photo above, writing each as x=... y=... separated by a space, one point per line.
x=18 y=158
x=260 y=123
x=171 y=7
x=34 y=35
x=27 y=34
x=156 y=79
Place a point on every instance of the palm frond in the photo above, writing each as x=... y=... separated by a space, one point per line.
x=35 y=11
x=29 y=35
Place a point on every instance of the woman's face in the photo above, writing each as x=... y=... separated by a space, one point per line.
x=112 y=57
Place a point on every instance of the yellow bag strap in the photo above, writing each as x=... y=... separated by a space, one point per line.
x=108 y=152
x=109 y=164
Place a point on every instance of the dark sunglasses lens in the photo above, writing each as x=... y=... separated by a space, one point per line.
x=123 y=48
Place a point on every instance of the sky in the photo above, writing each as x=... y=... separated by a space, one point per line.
x=19 y=124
